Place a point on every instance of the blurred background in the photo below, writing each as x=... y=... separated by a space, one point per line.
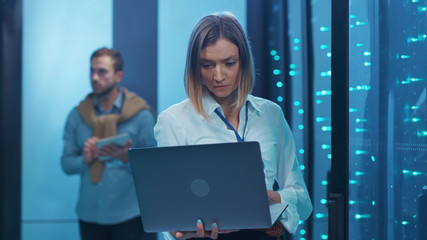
x=349 y=75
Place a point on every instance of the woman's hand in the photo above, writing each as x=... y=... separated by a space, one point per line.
x=201 y=233
x=273 y=197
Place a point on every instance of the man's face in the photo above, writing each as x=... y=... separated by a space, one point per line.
x=103 y=78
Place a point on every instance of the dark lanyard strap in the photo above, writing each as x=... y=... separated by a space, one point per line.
x=240 y=139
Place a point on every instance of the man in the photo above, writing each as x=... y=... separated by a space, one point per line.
x=107 y=206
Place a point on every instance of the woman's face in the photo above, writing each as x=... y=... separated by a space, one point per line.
x=220 y=66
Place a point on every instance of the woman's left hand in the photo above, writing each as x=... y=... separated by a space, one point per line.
x=273 y=197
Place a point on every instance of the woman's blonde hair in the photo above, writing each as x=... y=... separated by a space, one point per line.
x=207 y=31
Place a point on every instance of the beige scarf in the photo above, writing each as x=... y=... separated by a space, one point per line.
x=106 y=125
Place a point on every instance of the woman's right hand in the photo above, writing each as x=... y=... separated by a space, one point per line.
x=201 y=233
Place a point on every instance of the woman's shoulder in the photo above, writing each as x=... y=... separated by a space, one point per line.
x=178 y=110
x=264 y=104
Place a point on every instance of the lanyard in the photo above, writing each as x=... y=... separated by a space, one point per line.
x=240 y=139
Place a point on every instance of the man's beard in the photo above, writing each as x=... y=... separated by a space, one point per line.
x=106 y=91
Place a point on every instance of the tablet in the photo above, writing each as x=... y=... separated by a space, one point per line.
x=118 y=140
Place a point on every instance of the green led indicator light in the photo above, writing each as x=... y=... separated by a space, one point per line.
x=302 y=232
x=405 y=222
x=319 y=101
x=358 y=120
x=324 y=29
x=273 y=52
x=359 y=44
x=360 y=152
x=279 y=98
x=301 y=167
x=326 y=146
x=279 y=84
x=301 y=127
x=321 y=119
x=367 y=53
x=301 y=151
x=297 y=103
x=421 y=133
x=351 y=202
x=326 y=128
x=328 y=54
x=323 y=201
x=292 y=73
x=301 y=111
x=362 y=216
x=352 y=110
x=276 y=58
x=323 y=93
x=292 y=66
x=324 y=46
x=373 y=158
x=360 y=130
x=329 y=156
x=320 y=215
x=358 y=23
x=296 y=48
x=352 y=181
x=324 y=182
x=297 y=40
x=357 y=173
x=404 y=56
x=324 y=236
x=373 y=203
x=326 y=74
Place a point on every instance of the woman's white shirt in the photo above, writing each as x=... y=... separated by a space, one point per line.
x=180 y=124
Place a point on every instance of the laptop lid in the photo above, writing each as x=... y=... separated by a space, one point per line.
x=225 y=182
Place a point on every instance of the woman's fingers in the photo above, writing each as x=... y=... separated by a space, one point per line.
x=214 y=233
x=200 y=228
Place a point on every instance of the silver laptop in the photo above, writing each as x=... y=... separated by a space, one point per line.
x=225 y=182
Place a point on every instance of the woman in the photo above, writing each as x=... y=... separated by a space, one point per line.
x=219 y=77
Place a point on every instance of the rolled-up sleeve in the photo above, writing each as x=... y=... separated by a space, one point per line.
x=293 y=189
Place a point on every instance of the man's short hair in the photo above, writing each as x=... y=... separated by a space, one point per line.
x=113 y=53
